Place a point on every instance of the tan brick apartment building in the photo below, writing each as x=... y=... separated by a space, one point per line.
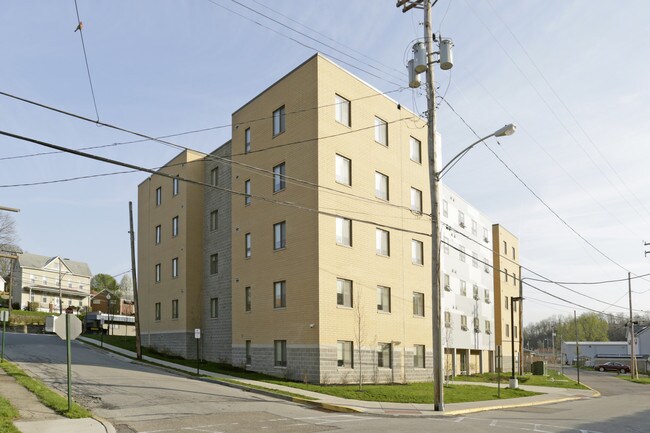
x=316 y=265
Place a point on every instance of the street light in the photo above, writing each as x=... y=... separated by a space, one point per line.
x=108 y=298
x=513 y=377
x=505 y=131
x=436 y=300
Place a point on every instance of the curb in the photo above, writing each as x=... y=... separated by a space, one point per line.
x=105 y=423
x=510 y=406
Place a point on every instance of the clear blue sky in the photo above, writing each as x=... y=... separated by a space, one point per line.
x=572 y=75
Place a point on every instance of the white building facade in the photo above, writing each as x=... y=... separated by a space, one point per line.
x=468 y=287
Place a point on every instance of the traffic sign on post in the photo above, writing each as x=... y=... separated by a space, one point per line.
x=60 y=326
x=4 y=316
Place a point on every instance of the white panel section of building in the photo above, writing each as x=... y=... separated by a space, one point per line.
x=468 y=288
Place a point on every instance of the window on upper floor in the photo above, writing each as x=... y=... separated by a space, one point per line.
x=463 y=323
x=175 y=267
x=474 y=228
x=383 y=299
x=175 y=186
x=445 y=245
x=446 y=281
x=214 y=176
x=506 y=302
x=157 y=272
x=513 y=253
x=214 y=264
x=505 y=247
x=447 y=319
x=279 y=294
x=418 y=304
x=214 y=308
x=381 y=131
x=475 y=259
x=342 y=110
x=343 y=292
x=382 y=242
x=507 y=330
x=247 y=245
x=343 y=170
x=461 y=253
x=247 y=299
x=158 y=234
x=175 y=309
x=280 y=235
x=415 y=150
x=278 y=121
x=247 y=140
x=158 y=196
x=488 y=327
x=445 y=208
x=214 y=220
x=279 y=182
x=417 y=252
x=175 y=226
x=247 y=192
x=381 y=186
x=485 y=235
x=463 y=287
x=416 y=200
x=461 y=219
x=343 y=231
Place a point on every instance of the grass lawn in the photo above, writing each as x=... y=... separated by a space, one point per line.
x=48 y=397
x=644 y=379
x=7 y=414
x=411 y=393
x=554 y=379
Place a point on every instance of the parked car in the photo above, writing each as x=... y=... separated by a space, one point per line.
x=612 y=366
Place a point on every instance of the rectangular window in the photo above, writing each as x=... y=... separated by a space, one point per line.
x=280 y=235
x=445 y=208
x=343 y=292
x=247 y=140
x=247 y=242
x=158 y=234
x=416 y=200
x=381 y=131
x=463 y=323
x=384 y=355
x=486 y=295
x=174 y=226
x=175 y=185
x=214 y=220
x=249 y=356
x=175 y=267
x=416 y=252
x=445 y=245
x=279 y=172
x=461 y=219
x=477 y=324
x=214 y=264
x=418 y=358
x=461 y=253
x=488 y=327
x=475 y=259
x=214 y=176
x=416 y=150
x=381 y=186
x=513 y=253
x=344 y=354
x=505 y=274
x=214 y=307
x=475 y=292
x=447 y=319
x=158 y=272
x=514 y=332
x=514 y=307
x=506 y=302
x=463 y=287
x=343 y=170
x=157 y=311
x=342 y=111
x=507 y=330
x=418 y=304
x=382 y=242
x=280 y=294
x=343 y=231
x=383 y=299
x=247 y=192
x=474 y=228
x=280 y=353
x=505 y=247
x=247 y=299
x=159 y=196
x=447 y=282
x=175 y=309
x=278 y=121
x=485 y=235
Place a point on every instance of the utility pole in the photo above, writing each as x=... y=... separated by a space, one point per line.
x=575 y=322
x=136 y=304
x=633 y=371
x=521 y=324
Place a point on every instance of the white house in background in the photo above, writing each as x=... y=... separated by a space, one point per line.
x=2 y=284
x=39 y=280
x=642 y=341
x=591 y=349
x=468 y=286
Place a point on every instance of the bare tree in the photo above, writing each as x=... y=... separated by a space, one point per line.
x=359 y=333
x=449 y=341
x=8 y=241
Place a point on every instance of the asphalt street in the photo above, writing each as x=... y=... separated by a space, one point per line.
x=141 y=398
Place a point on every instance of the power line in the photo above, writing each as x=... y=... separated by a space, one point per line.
x=83 y=46
x=591 y=282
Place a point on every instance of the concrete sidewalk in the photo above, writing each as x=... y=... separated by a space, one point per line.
x=35 y=417
x=549 y=395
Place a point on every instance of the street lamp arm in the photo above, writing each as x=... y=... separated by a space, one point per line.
x=508 y=129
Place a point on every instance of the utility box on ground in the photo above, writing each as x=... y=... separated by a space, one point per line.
x=538 y=368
